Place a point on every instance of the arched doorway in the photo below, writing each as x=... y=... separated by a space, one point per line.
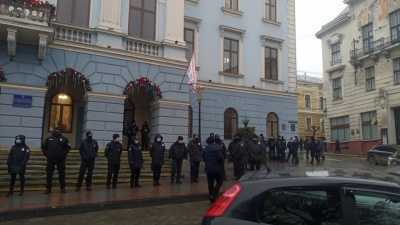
x=272 y=125
x=230 y=123
x=64 y=104
x=139 y=96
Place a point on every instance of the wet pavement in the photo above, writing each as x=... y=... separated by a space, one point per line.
x=167 y=204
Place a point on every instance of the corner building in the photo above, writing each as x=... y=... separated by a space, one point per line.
x=97 y=65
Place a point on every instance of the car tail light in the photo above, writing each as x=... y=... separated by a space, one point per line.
x=223 y=202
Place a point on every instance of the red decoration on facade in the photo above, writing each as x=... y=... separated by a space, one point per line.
x=2 y=77
x=77 y=78
x=149 y=86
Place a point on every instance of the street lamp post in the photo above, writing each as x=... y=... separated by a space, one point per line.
x=199 y=91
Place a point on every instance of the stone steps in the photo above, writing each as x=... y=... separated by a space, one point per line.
x=36 y=170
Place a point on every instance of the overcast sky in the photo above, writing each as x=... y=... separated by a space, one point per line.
x=310 y=16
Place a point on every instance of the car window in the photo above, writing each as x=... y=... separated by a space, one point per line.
x=380 y=148
x=391 y=149
x=376 y=208
x=301 y=205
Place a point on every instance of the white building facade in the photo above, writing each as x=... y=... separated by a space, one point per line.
x=361 y=61
x=97 y=65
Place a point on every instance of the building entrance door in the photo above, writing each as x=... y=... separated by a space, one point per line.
x=397 y=124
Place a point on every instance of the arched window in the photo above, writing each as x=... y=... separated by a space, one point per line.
x=61 y=113
x=230 y=123
x=190 y=122
x=129 y=114
x=272 y=125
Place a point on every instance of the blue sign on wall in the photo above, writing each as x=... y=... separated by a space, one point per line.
x=24 y=101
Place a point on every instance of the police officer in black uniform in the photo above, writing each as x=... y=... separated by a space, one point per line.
x=194 y=149
x=219 y=143
x=144 y=132
x=88 y=151
x=177 y=153
x=157 y=151
x=136 y=161
x=113 y=153
x=271 y=143
x=232 y=149
x=255 y=153
x=240 y=157
x=56 y=148
x=281 y=147
x=132 y=130
x=16 y=162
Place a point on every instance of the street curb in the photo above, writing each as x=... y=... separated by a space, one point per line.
x=96 y=207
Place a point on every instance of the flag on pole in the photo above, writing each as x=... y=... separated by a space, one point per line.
x=374 y=119
x=191 y=73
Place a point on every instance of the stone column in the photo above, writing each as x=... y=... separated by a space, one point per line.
x=110 y=16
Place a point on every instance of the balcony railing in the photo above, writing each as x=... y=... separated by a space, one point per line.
x=142 y=46
x=72 y=34
x=28 y=11
x=377 y=45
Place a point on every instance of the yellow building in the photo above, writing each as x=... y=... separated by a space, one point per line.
x=310 y=106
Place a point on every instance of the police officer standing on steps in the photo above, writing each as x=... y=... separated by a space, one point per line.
x=194 y=149
x=55 y=148
x=255 y=153
x=16 y=162
x=157 y=151
x=132 y=130
x=88 y=151
x=213 y=160
x=177 y=153
x=135 y=159
x=113 y=153
x=219 y=143
x=144 y=132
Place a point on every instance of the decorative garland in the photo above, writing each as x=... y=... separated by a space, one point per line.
x=2 y=77
x=149 y=86
x=17 y=4
x=55 y=78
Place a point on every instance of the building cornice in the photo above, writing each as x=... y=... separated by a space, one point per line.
x=334 y=23
x=100 y=95
x=24 y=87
x=248 y=90
x=117 y=54
x=169 y=102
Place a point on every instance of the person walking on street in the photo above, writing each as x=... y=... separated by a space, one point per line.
x=296 y=150
x=219 y=143
x=313 y=147
x=194 y=149
x=145 y=132
x=135 y=159
x=255 y=153
x=271 y=143
x=177 y=153
x=132 y=130
x=157 y=151
x=320 y=148
x=290 y=146
x=337 y=146
x=88 y=151
x=281 y=147
x=307 y=147
x=240 y=157
x=213 y=159
x=16 y=162
x=55 y=148
x=301 y=143
x=113 y=153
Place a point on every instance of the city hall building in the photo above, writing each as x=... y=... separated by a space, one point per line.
x=98 y=65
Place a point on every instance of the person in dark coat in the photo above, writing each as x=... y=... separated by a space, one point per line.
x=290 y=146
x=314 y=148
x=88 y=151
x=132 y=130
x=135 y=159
x=337 y=146
x=177 y=153
x=271 y=143
x=281 y=147
x=16 y=162
x=301 y=142
x=212 y=135
x=194 y=149
x=307 y=147
x=240 y=157
x=113 y=153
x=255 y=153
x=145 y=132
x=55 y=148
x=213 y=159
x=232 y=148
x=157 y=151
x=219 y=143
x=296 y=144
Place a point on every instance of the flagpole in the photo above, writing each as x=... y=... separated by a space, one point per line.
x=186 y=70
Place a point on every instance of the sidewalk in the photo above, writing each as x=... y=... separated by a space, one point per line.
x=36 y=204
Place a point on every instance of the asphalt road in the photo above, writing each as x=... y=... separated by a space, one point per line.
x=186 y=213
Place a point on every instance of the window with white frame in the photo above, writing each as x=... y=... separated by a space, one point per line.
x=335 y=48
x=337 y=88
x=189 y=39
x=340 y=128
x=370 y=78
x=270 y=10
x=307 y=102
x=231 y=56
x=369 y=125
x=396 y=68
x=271 y=63
x=395 y=26
x=368 y=37
x=142 y=19
x=308 y=123
x=232 y=4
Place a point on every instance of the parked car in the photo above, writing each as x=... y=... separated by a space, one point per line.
x=293 y=197
x=379 y=154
